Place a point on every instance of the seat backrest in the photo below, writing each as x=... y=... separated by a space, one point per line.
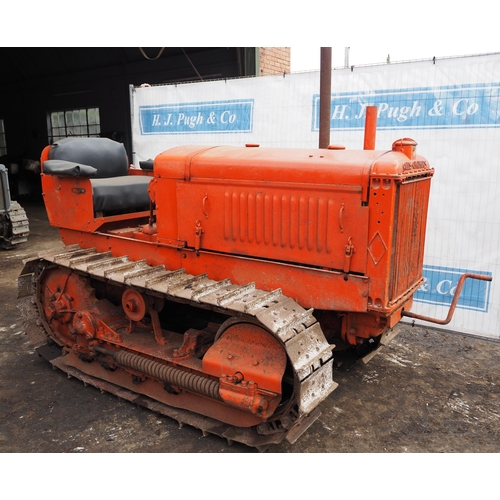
x=108 y=157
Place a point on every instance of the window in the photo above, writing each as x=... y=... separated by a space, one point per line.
x=3 y=144
x=75 y=122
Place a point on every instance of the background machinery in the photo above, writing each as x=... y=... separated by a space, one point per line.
x=14 y=224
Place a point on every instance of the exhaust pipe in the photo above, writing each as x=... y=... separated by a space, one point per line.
x=370 y=127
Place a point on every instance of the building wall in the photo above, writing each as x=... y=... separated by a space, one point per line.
x=274 y=60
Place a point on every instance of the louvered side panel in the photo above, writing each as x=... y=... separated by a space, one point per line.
x=306 y=223
x=303 y=226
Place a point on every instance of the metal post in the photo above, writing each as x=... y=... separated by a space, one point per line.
x=325 y=97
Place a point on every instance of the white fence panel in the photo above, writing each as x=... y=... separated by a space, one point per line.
x=451 y=107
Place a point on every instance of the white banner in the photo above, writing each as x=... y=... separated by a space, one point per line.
x=451 y=107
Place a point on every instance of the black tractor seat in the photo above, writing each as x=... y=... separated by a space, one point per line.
x=105 y=163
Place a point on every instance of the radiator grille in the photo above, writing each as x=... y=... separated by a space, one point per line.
x=409 y=236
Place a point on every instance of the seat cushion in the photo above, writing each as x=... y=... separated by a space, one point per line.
x=121 y=194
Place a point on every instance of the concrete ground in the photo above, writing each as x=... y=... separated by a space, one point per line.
x=427 y=391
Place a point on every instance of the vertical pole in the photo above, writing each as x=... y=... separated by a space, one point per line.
x=325 y=97
x=370 y=127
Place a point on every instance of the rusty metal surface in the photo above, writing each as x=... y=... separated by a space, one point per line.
x=246 y=436
x=305 y=344
x=295 y=327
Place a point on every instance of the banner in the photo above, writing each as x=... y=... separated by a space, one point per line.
x=197 y=117
x=465 y=106
x=451 y=107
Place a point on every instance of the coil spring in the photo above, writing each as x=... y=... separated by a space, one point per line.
x=178 y=378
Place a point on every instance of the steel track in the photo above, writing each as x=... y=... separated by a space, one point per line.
x=309 y=354
x=19 y=226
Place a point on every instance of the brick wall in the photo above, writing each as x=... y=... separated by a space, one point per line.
x=274 y=60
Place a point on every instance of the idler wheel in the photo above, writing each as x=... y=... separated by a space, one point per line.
x=134 y=304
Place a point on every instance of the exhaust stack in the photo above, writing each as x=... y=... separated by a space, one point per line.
x=370 y=127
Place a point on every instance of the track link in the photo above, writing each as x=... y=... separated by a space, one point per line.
x=295 y=327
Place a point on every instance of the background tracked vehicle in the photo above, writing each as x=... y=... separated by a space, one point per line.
x=14 y=224
x=216 y=287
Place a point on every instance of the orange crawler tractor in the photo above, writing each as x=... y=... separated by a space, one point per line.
x=217 y=286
